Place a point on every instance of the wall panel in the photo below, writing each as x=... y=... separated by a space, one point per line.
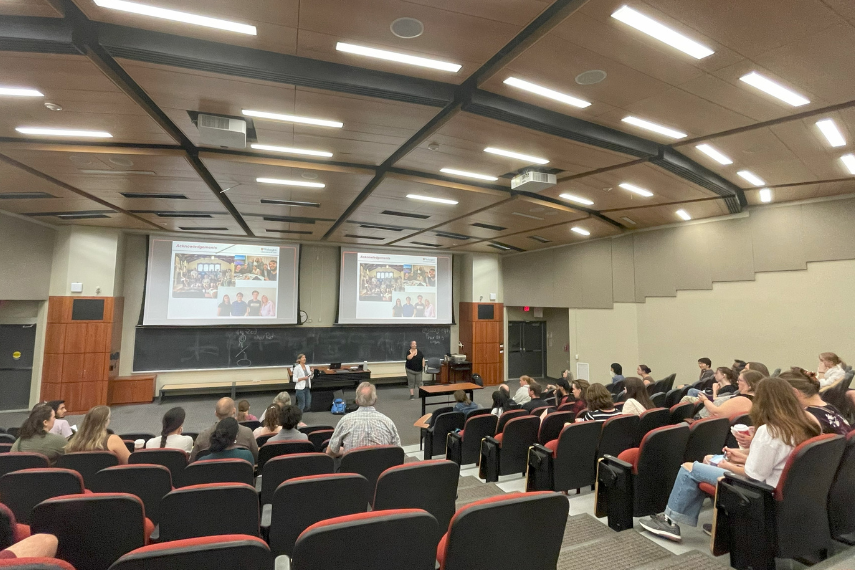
x=691 y=258
x=730 y=250
x=653 y=254
x=776 y=237
x=827 y=230
x=623 y=270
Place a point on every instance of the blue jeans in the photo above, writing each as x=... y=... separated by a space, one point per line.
x=304 y=399
x=686 y=499
x=693 y=392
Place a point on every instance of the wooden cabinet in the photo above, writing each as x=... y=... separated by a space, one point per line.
x=136 y=389
x=482 y=336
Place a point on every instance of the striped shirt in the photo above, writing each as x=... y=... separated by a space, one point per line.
x=366 y=426
x=600 y=415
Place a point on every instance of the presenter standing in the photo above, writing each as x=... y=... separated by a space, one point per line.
x=302 y=375
x=414 y=366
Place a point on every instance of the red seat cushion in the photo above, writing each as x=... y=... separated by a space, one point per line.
x=22 y=531
x=440 y=550
x=461 y=432
x=148 y=528
x=498 y=438
x=552 y=446
x=707 y=488
x=201 y=541
x=631 y=457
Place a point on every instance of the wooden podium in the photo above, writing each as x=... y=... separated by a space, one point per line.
x=481 y=332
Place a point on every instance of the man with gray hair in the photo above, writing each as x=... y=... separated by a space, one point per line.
x=364 y=427
x=225 y=409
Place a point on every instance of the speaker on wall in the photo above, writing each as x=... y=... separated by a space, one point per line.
x=486 y=312
x=87 y=310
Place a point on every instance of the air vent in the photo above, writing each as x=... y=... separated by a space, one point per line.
x=363 y=237
x=214 y=122
x=424 y=243
x=529 y=216
x=202 y=229
x=404 y=214
x=503 y=246
x=182 y=215
x=158 y=196
x=378 y=227
x=24 y=195
x=79 y=213
x=81 y=216
x=299 y=232
x=290 y=203
x=539 y=239
x=112 y=172
x=489 y=227
x=451 y=236
x=289 y=219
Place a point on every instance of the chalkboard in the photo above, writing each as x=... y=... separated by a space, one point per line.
x=191 y=348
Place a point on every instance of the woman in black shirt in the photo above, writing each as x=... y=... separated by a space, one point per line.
x=807 y=392
x=224 y=309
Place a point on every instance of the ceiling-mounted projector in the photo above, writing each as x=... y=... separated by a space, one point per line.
x=533 y=181
x=221 y=131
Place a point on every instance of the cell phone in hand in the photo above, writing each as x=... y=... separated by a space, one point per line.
x=716 y=459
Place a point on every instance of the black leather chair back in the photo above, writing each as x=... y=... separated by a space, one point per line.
x=438 y=412
x=841 y=501
x=370 y=462
x=251 y=424
x=218 y=471
x=319 y=437
x=209 y=510
x=23 y=490
x=5 y=447
x=619 y=434
x=658 y=399
x=680 y=412
x=575 y=462
x=478 y=412
x=87 y=463
x=276 y=448
x=133 y=436
x=650 y=420
x=21 y=460
x=706 y=437
x=281 y=469
x=148 y=482
x=7 y=438
x=434 y=440
x=551 y=426
x=659 y=459
x=310 y=429
x=508 y=416
x=173 y=459
x=207 y=552
x=519 y=434
x=474 y=430
x=672 y=397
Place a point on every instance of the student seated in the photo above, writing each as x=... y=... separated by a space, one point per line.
x=560 y=390
x=35 y=437
x=60 y=425
x=806 y=389
x=637 y=399
x=93 y=436
x=170 y=435
x=739 y=403
x=780 y=425
x=502 y=402
x=617 y=372
x=35 y=546
x=600 y=404
x=535 y=390
x=223 y=443
x=830 y=369
x=289 y=419
x=243 y=414
x=463 y=403
x=522 y=395
x=270 y=423
x=579 y=389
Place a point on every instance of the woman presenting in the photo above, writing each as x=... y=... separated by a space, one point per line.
x=302 y=375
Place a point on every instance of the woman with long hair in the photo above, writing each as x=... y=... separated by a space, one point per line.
x=35 y=437
x=301 y=375
x=600 y=403
x=579 y=389
x=170 y=436
x=806 y=389
x=270 y=422
x=243 y=414
x=464 y=404
x=223 y=443
x=93 y=436
x=739 y=403
x=830 y=369
x=637 y=400
x=780 y=423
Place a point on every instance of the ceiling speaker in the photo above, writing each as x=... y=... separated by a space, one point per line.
x=407 y=28
x=590 y=77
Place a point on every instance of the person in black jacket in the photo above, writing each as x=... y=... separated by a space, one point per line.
x=535 y=390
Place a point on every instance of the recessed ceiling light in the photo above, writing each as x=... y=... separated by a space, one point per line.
x=52 y=106
x=63 y=132
x=849 y=161
x=431 y=199
x=636 y=190
x=468 y=174
x=288 y=150
x=398 y=57
x=751 y=177
x=511 y=154
x=714 y=154
x=117 y=172
x=290 y=182
x=831 y=132
x=774 y=89
x=765 y=195
x=654 y=127
x=292 y=119
x=546 y=92
x=629 y=220
x=684 y=215
x=580 y=231
x=529 y=216
x=176 y=16
x=577 y=199
x=662 y=33
x=20 y=92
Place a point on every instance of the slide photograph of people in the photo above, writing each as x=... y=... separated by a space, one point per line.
x=247 y=302
x=398 y=286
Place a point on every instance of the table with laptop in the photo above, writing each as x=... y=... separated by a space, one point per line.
x=326 y=380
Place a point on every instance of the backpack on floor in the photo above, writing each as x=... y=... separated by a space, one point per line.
x=338 y=407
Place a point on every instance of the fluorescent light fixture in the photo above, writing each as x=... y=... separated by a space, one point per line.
x=538 y=90
x=399 y=57
x=529 y=216
x=288 y=150
x=468 y=174
x=654 y=127
x=684 y=214
x=580 y=231
x=849 y=161
x=774 y=89
x=636 y=190
x=302 y=183
x=431 y=199
x=577 y=199
x=20 y=92
x=292 y=119
x=117 y=172
x=751 y=177
x=714 y=154
x=63 y=132
x=629 y=220
x=765 y=195
x=176 y=16
x=511 y=154
x=831 y=132
x=662 y=33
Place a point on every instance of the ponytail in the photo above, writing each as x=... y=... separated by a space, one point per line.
x=172 y=421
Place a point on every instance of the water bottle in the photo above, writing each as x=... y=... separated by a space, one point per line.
x=365 y=366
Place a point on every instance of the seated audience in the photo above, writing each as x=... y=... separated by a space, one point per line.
x=737 y=367
x=35 y=436
x=807 y=392
x=560 y=390
x=758 y=367
x=706 y=376
x=364 y=427
x=617 y=372
x=222 y=443
x=600 y=404
x=281 y=399
x=522 y=395
x=35 y=546
x=579 y=388
x=60 y=425
x=830 y=369
x=289 y=419
x=644 y=372
x=535 y=390
x=637 y=400
x=739 y=403
x=464 y=404
x=270 y=424
x=502 y=402
x=724 y=385
x=93 y=436
x=780 y=425
x=225 y=409
x=170 y=435
x=243 y=414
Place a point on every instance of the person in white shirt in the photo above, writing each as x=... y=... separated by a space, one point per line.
x=170 y=435
x=830 y=369
x=302 y=375
x=60 y=426
x=522 y=396
x=782 y=424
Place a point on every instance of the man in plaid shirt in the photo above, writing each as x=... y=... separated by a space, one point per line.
x=364 y=427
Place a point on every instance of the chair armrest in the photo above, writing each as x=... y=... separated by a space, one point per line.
x=283 y=562
x=541 y=449
x=744 y=481
x=491 y=439
x=454 y=435
x=612 y=460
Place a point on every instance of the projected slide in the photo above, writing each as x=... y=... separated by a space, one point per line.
x=220 y=283
x=394 y=288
